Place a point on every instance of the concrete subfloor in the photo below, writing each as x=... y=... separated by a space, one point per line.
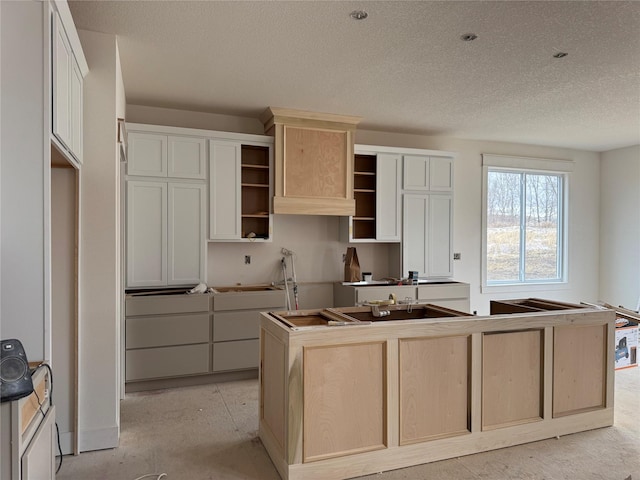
x=210 y=432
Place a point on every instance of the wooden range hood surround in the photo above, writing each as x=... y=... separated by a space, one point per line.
x=313 y=161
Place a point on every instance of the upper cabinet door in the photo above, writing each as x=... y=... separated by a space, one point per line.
x=388 y=209
x=225 y=199
x=147 y=154
x=187 y=157
x=76 y=111
x=62 y=61
x=416 y=173
x=440 y=174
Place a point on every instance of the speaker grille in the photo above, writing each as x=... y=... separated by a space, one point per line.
x=12 y=369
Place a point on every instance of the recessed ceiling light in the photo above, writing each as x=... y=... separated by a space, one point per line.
x=468 y=37
x=560 y=55
x=358 y=14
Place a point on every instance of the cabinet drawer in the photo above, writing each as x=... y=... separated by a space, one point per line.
x=266 y=300
x=162 y=331
x=237 y=355
x=434 y=292
x=166 y=304
x=167 y=362
x=237 y=325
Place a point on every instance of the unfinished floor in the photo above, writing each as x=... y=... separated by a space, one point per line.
x=210 y=432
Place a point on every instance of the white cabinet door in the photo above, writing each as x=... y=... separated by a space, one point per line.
x=147 y=154
x=440 y=174
x=416 y=172
x=146 y=234
x=186 y=233
x=187 y=157
x=415 y=208
x=76 y=111
x=225 y=190
x=439 y=240
x=38 y=460
x=388 y=211
x=61 y=63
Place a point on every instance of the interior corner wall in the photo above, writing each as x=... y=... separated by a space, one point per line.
x=24 y=172
x=620 y=227
x=99 y=331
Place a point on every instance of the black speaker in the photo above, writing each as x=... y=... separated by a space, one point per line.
x=15 y=376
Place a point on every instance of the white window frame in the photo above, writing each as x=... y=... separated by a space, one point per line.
x=534 y=166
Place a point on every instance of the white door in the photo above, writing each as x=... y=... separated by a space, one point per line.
x=416 y=173
x=186 y=157
x=186 y=233
x=76 y=111
x=62 y=58
x=147 y=154
x=415 y=208
x=225 y=198
x=439 y=236
x=146 y=234
x=388 y=211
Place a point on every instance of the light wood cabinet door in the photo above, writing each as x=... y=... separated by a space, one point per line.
x=186 y=233
x=146 y=234
x=147 y=154
x=388 y=208
x=224 y=190
x=186 y=157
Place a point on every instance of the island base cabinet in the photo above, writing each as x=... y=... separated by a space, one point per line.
x=345 y=401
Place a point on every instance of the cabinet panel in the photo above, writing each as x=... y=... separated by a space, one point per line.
x=238 y=355
x=186 y=157
x=38 y=460
x=439 y=241
x=186 y=233
x=147 y=154
x=414 y=233
x=62 y=60
x=440 y=174
x=388 y=224
x=416 y=173
x=224 y=190
x=146 y=234
x=434 y=388
x=162 y=362
x=76 y=111
x=238 y=325
x=160 y=331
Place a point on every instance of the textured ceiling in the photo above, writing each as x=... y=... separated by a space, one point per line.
x=403 y=69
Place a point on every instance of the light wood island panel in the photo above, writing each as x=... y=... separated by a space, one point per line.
x=341 y=398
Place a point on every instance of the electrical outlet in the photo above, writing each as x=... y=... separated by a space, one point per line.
x=247 y=259
x=457 y=256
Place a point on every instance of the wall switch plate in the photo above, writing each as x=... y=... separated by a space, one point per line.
x=247 y=259
x=457 y=256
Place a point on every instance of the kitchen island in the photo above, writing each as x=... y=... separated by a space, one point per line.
x=351 y=391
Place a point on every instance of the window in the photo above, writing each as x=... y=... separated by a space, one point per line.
x=524 y=219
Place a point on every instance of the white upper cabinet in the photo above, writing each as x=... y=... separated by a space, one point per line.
x=440 y=236
x=224 y=190
x=157 y=155
x=147 y=154
x=186 y=157
x=428 y=173
x=67 y=90
x=388 y=211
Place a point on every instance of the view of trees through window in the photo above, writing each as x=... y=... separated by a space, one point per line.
x=524 y=212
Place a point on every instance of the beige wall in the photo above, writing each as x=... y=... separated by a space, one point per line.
x=99 y=330
x=620 y=227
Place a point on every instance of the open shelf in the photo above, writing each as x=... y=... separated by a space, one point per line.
x=256 y=177
x=364 y=190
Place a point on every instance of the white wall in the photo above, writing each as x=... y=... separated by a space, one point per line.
x=620 y=227
x=99 y=375
x=316 y=239
x=25 y=164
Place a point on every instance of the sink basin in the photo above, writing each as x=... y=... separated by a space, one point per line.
x=244 y=288
x=402 y=313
